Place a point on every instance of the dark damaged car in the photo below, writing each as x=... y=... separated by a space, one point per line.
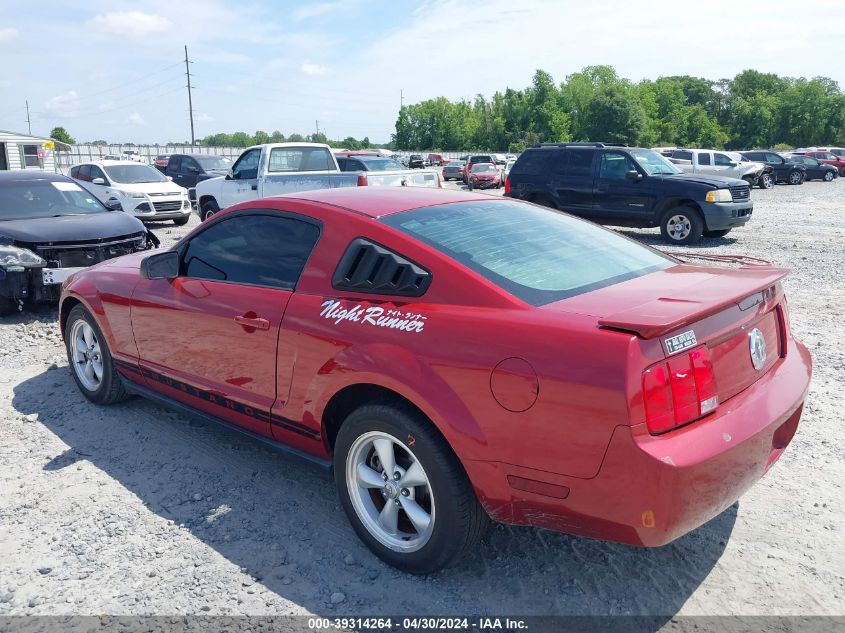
x=50 y=228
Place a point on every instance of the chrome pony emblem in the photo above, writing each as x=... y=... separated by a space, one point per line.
x=757 y=348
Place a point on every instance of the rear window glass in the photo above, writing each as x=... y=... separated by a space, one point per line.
x=300 y=159
x=538 y=255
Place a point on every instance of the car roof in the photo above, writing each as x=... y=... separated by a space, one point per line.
x=14 y=175
x=111 y=163
x=197 y=155
x=377 y=202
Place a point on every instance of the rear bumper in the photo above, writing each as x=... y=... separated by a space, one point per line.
x=651 y=490
x=726 y=215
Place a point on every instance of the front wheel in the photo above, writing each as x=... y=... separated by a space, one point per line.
x=795 y=178
x=828 y=176
x=404 y=490
x=682 y=225
x=767 y=181
x=90 y=359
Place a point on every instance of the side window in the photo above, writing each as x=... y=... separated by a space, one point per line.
x=561 y=160
x=74 y=172
x=580 y=164
x=174 y=165
x=614 y=166
x=189 y=166
x=260 y=250
x=96 y=172
x=704 y=158
x=372 y=268
x=85 y=173
x=721 y=160
x=532 y=163
x=755 y=156
x=246 y=168
x=773 y=158
x=682 y=155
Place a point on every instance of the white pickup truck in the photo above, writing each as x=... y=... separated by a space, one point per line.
x=716 y=163
x=276 y=168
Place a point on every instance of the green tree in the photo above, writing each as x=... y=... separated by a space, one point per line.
x=614 y=114
x=60 y=134
x=260 y=137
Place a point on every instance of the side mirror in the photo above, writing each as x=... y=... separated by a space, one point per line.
x=160 y=266
x=732 y=164
x=113 y=204
x=170 y=178
x=633 y=176
x=98 y=181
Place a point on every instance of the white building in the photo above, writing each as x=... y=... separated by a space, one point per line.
x=22 y=151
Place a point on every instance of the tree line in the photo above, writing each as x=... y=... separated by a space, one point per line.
x=752 y=110
x=243 y=139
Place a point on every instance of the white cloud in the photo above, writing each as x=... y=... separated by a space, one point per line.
x=135 y=119
x=203 y=118
x=64 y=105
x=8 y=34
x=132 y=23
x=314 y=10
x=314 y=69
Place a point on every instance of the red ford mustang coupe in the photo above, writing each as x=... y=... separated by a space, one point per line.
x=457 y=358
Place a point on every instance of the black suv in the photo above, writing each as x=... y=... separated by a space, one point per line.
x=786 y=169
x=626 y=186
x=186 y=170
x=416 y=162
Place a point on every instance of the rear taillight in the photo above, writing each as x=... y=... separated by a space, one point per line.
x=362 y=180
x=507 y=185
x=679 y=390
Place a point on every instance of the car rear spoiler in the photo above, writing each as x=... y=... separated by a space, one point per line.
x=665 y=314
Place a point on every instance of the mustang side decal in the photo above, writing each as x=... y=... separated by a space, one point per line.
x=374 y=315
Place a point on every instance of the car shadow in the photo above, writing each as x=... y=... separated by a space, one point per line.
x=31 y=313
x=278 y=519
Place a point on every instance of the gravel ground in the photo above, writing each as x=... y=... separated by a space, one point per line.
x=134 y=509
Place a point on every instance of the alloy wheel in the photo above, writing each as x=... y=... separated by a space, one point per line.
x=86 y=355
x=390 y=491
x=678 y=227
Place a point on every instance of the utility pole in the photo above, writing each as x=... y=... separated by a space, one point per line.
x=401 y=100
x=190 y=103
x=28 y=122
x=317 y=125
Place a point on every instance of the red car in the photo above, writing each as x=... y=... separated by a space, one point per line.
x=484 y=176
x=829 y=158
x=161 y=161
x=457 y=358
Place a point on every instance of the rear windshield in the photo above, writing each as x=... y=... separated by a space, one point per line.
x=538 y=255
x=381 y=164
x=300 y=159
x=30 y=198
x=213 y=162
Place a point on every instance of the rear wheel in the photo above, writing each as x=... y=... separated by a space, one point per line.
x=90 y=359
x=767 y=181
x=209 y=208
x=795 y=177
x=404 y=490
x=681 y=225
x=719 y=233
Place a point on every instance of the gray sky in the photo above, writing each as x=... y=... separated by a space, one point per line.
x=111 y=69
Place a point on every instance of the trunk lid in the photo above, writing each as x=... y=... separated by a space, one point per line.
x=686 y=306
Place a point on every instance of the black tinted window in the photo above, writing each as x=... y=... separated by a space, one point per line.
x=704 y=159
x=680 y=155
x=260 y=250
x=722 y=160
x=532 y=163
x=85 y=173
x=773 y=158
x=247 y=166
x=580 y=163
x=174 y=164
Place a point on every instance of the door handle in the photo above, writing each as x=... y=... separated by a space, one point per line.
x=254 y=187
x=250 y=321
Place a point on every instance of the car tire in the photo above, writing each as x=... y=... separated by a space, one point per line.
x=828 y=176
x=437 y=521
x=86 y=350
x=682 y=225
x=795 y=178
x=719 y=233
x=767 y=181
x=181 y=221
x=209 y=208
x=7 y=306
